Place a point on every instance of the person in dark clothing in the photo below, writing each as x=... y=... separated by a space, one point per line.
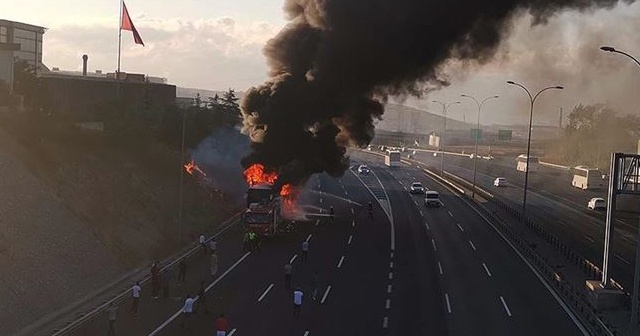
x=288 y=270
x=202 y=302
x=155 y=280
x=166 y=279
x=182 y=268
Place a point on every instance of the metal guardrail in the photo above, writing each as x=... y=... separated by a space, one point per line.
x=171 y=262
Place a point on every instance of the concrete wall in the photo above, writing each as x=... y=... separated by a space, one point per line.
x=87 y=99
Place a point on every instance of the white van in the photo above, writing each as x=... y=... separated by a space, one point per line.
x=432 y=199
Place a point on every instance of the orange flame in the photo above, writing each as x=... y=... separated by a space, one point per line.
x=256 y=174
x=191 y=166
x=289 y=195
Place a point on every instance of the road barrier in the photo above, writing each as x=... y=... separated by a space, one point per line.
x=186 y=252
x=574 y=297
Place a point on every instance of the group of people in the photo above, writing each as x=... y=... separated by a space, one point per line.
x=161 y=279
x=298 y=294
x=250 y=241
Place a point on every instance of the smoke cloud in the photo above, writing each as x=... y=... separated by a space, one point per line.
x=335 y=64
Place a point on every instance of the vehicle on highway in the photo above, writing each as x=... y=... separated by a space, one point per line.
x=264 y=210
x=500 y=182
x=587 y=178
x=369 y=147
x=392 y=159
x=435 y=154
x=472 y=156
x=363 y=169
x=521 y=165
x=432 y=199
x=597 y=203
x=488 y=157
x=416 y=188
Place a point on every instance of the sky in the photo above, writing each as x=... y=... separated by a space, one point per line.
x=217 y=44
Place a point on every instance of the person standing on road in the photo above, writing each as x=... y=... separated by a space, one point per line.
x=187 y=310
x=252 y=240
x=213 y=245
x=182 y=268
x=135 y=293
x=214 y=264
x=166 y=278
x=112 y=312
x=202 y=240
x=314 y=286
x=305 y=251
x=288 y=269
x=221 y=326
x=297 y=301
x=331 y=213
x=202 y=301
x=245 y=241
x=155 y=280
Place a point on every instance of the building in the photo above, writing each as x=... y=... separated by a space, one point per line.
x=19 y=41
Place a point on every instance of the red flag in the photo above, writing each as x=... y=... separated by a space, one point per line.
x=127 y=24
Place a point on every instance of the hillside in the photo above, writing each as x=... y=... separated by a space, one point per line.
x=79 y=209
x=411 y=120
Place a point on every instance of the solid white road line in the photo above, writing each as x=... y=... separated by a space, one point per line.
x=460 y=227
x=176 y=314
x=387 y=305
x=506 y=308
x=340 y=262
x=433 y=243
x=389 y=287
x=450 y=214
x=293 y=258
x=440 y=268
x=486 y=269
x=308 y=237
x=326 y=293
x=472 y=246
x=446 y=297
x=266 y=291
x=385 y=322
x=350 y=237
x=232 y=332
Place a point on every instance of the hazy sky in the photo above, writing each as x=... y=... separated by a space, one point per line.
x=216 y=44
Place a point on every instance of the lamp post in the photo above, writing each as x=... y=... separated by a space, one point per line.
x=532 y=99
x=609 y=230
x=180 y=211
x=445 y=107
x=475 y=160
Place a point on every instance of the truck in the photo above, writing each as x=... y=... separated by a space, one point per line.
x=392 y=159
x=263 y=215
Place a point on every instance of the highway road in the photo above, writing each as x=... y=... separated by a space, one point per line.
x=553 y=202
x=408 y=270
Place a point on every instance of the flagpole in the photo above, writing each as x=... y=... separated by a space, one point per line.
x=119 y=48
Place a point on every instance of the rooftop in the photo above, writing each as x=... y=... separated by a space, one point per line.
x=21 y=25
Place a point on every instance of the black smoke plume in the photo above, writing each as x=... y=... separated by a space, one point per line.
x=336 y=62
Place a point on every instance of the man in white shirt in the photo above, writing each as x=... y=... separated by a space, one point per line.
x=297 y=301
x=202 y=241
x=135 y=293
x=187 y=310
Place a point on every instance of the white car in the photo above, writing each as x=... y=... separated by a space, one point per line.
x=472 y=156
x=597 y=203
x=363 y=169
x=500 y=182
x=416 y=188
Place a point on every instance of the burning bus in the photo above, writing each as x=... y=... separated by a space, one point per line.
x=265 y=206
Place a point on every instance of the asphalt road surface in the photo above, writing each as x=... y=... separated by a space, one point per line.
x=559 y=207
x=407 y=270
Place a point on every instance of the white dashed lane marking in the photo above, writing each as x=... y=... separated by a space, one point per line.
x=486 y=269
x=440 y=268
x=450 y=214
x=460 y=227
x=472 y=246
x=506 y=308
x=326 y=293
x=293 y=258
x=266 y=291
x=349 y=242
x=433 y=243
x=446 y=297
x=340 y=262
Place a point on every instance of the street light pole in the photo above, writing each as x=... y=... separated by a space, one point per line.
x=635 y=302
x=184 y=118
x=532 y=99
x=445 y=107
x=475 y=160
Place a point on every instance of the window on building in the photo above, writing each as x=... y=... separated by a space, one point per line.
x=3 y=34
